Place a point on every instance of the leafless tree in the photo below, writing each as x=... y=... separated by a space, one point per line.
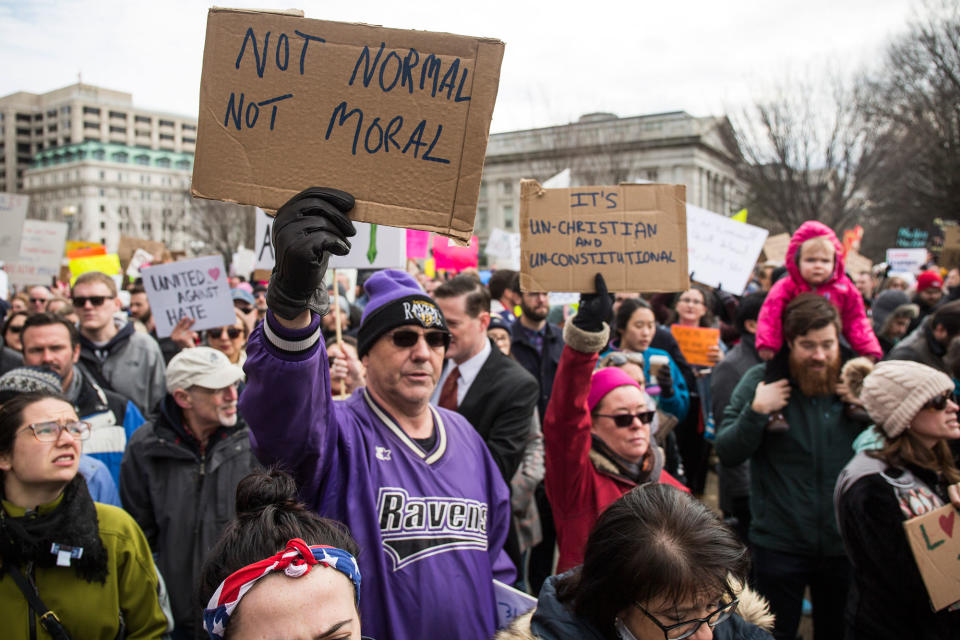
x=222 y=226
x=807 y=155
x=914 y=106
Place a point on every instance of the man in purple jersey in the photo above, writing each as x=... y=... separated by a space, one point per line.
x=415 y=484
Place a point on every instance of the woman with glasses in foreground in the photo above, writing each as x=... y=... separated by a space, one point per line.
x=913 y=472
x=596 y=431
x=68 y=565
x=659 y=565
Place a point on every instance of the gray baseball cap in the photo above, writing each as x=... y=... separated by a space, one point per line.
x=202 y=367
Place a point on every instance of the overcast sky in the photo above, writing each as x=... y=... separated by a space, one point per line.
x=562 y=59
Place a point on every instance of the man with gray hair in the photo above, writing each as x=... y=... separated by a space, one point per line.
x=179 y=475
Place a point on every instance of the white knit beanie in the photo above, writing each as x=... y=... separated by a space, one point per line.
x=896 y=390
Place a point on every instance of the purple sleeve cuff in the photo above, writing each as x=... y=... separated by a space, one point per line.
x=299 y=343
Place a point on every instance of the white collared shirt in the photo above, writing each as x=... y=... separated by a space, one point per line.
x=468 y=373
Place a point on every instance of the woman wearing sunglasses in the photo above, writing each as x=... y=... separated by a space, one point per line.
x=230 y=340
x=658 y=566
x=12 y=328
x=596 y=431
x=913 y=472
x=87 y=563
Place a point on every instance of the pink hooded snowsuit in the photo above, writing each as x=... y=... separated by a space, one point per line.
x=838 y=289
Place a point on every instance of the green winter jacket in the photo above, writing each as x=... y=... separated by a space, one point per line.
x=792 y=474
x=91 y=611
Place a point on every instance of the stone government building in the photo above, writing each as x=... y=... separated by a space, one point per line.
x=603 y=149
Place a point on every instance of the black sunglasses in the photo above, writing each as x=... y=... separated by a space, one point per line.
x=626 y=419
x=17 y=328
x=940 y=402
x=232 y=332
x=435 y=339
x=38 y=299
x=81 y=301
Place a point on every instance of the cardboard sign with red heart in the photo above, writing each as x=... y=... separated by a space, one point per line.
x=935 y=543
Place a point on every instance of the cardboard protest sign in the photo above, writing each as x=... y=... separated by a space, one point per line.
x=41 y=252
x=374 y=247
x=775 y=248
x=857 y=263
x=397 y=118
x=909 y=260
x=935 y=541
x=634 y=234
x=695 y=342
x=722 y=252
x=196 y=288
x=13 y=211
x=108 y=264
x=950 y=255
x=128 y=246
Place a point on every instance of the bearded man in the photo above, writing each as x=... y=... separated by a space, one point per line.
x=793 y=530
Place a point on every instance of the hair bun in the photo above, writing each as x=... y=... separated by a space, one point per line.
x=261 y=490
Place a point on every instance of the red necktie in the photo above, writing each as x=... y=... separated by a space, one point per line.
x=448 y=395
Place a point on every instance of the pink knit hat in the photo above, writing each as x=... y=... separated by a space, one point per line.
x=606 y=380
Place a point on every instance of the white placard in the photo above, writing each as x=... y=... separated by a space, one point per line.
x=722 y=252
x=13 y=211
x=140 y=257
x=504 y=248
x=196 y=288
x=909 y=260
x=389 y=250
x=41 y=253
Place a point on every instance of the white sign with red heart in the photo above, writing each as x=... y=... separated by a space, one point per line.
x=196 y=288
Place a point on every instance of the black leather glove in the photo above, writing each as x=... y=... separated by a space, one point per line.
x=594 y=308
x=310 y=227
x=665 y=380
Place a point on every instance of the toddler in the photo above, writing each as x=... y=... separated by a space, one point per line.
x=814 y=263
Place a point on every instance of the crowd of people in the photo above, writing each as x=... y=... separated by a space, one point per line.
x=389 y=462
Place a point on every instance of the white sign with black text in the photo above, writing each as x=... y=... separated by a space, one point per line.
x=196 y=288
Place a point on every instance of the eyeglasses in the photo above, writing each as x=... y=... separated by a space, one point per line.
x=50 y=431
x=407 y=339
x=16 y=328
x=626 y=419
x=81 y=301
x=687 y=628
x=232 y=332
x=689 y=301
x=940 y=402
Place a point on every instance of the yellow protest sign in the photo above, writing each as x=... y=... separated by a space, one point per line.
x=108 y=264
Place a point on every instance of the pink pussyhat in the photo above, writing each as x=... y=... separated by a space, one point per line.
x=606 y=380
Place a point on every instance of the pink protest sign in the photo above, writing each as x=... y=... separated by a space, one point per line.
x=417 y=243
x=453 y=258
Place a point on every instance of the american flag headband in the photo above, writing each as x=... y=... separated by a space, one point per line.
x=295 y=561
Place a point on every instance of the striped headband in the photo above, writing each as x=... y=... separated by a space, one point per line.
x=295 y=561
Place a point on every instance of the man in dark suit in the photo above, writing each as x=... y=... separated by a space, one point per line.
x=491 y=390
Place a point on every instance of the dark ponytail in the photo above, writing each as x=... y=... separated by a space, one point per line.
x=269 y=513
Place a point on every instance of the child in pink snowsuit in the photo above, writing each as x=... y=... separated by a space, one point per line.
x=814 y=263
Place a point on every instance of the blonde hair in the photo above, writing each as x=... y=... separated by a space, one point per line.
x=817 y=242
x=97 y=276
